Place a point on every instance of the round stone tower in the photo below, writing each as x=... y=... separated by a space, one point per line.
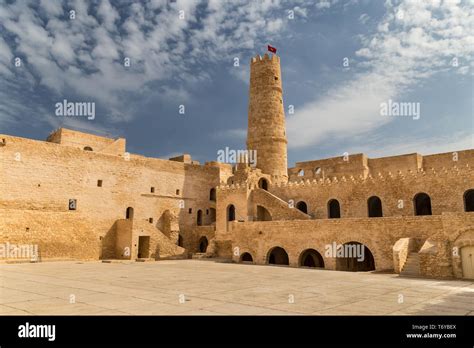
x=266 y=131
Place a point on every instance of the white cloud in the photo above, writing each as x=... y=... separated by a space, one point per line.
x=86 y=55
x=419 y=43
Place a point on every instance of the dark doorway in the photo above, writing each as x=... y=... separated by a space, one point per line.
x=374 y=206
x=263 y=184
x=469 y=200
x=422 y=203
x=263 y=214
x=212 y=194
x=180 y=241
x=334 y=209
x=203 y=244
x=246 y=257
x=143 y=247
x=129 y=213
x=230 y=212
x=352 y=260
x=199 y=217
x=301 y=206
x=311 y=258
x=278 y=256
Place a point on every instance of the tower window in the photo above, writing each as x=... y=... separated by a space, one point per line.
x=150 y=220
x=99 y=183
x=177 y=192
x=152 y=189
x=276 y=78
x=190 y=210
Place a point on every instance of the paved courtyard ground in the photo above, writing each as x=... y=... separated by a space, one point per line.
x=194 y=287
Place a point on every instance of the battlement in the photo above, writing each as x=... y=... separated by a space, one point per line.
x=266 y=58
x=360 y=164
x=87 y=141
x=237 y=187
x=405 y=175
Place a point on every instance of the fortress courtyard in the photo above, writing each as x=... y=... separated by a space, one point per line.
x=201 y=287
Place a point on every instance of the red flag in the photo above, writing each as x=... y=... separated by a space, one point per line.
x=272 y=49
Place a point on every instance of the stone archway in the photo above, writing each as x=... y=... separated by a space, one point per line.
x=311 y=258
x=357 y=257
x=277 y=256
x=246 y=258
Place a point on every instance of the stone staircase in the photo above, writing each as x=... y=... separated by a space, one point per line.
x=411 y=268
x=280 y=208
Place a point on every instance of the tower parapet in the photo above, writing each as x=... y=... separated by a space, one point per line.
x=266 y=118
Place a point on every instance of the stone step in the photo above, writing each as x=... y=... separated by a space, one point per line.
x=141 y=259
x=201 y=256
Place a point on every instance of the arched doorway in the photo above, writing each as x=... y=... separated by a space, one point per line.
x=263 y=214
x=374 y=207
x=422 y=203
x=334 y=209
x=467 y=261
x=469 y=200
x=230 y=212
x=263 y=184
x=356 y=258
x=302 y=206
x=246 y=257
x=212 y=195
x=277 y=256
x=199 y=217
x=129 y=213
x=311 y=258
x=88 y=148
x=203 y=243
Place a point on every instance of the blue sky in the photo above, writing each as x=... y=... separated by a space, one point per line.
x=405 y=51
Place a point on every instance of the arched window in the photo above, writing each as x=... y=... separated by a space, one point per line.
x=374 y=207
x=334 y=209
x=422 y=203
x=263 y=184
x=199 y=217
x=129 y=213
x=469 y=200
x=301 y=206
x=230 y=212
x=88 y=148
x=212 y=195
x=301 y=172
x=317 y=171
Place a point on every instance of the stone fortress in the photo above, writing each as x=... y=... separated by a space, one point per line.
x=80 y=196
